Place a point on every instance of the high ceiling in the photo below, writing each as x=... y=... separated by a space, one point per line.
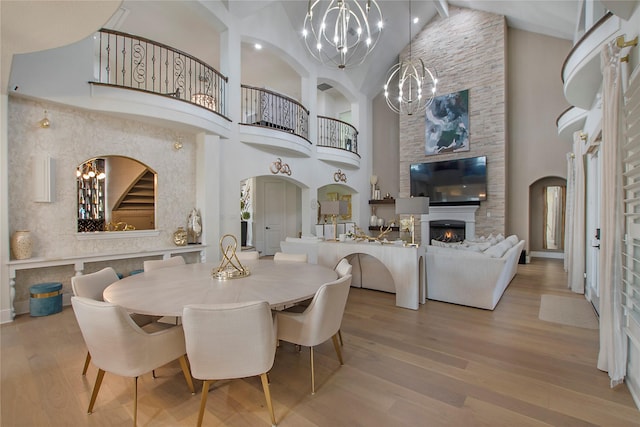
x=157 y=19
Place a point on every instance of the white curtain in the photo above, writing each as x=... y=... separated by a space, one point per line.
x=576 y=249
x=568 y=219
x=613 y=343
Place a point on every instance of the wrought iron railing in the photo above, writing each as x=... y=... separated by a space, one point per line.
x=137 y=63
x=262 y=107
x=337 y=134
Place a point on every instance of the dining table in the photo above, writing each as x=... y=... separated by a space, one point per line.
x=166 y=291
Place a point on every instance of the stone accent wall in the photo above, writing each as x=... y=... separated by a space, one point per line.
x=468 y=51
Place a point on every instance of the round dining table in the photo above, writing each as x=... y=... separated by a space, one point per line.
x=165 y=291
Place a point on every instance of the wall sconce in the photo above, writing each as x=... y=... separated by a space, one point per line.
x=178 y=144
x=583 y=136
x=44 y=123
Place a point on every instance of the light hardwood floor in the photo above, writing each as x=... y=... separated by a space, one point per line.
x=443 y=365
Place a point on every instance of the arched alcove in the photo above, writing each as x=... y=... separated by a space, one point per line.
x=546 y=215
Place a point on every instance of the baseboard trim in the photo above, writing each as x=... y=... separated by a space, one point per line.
x=5 y=316
x=541 y=254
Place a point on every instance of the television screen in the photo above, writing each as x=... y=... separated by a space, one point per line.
x=451 y=181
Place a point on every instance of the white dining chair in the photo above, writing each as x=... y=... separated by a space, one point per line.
x=92 y=285
x=156 y=264
x=248 y=255
x=228 y=341
x=343 y=268
x=282 y=256
x=319 y=322
x=119 y=346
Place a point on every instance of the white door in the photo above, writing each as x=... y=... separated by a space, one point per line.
x=274 y=216
x=592 y=241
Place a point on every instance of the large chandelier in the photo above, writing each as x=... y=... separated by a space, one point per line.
x=342 y=32
x=410 y=86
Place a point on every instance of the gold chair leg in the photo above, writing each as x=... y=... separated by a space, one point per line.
x=336 y=345
x=135 y=401
x=267 y=395
x=86 y=363
x=340 y=336
x=187 y=373
x=313 y=377
x=203 y=401
x=96 y=388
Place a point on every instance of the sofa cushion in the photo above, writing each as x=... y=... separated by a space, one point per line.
x=498 y=250
x=482 y=246
x=513 y=239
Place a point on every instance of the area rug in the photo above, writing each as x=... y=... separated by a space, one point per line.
x=568 y=311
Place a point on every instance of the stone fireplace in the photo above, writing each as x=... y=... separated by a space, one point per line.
x=462 y=214
x=445 y=230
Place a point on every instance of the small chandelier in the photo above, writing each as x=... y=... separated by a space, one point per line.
x=344 y=33
x=410 y=86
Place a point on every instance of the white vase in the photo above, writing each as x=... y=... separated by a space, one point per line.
x=21 y=244
x=373 y=221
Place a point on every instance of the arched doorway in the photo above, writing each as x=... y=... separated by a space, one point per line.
x=547 y=207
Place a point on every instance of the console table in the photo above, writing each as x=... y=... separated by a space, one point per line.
x=79 y=261
x=406 y=264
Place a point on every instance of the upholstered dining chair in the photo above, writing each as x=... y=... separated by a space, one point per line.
x=228 y=341
x=282 y=256
x=92 y=285
x=155 y=264
x=343 y=268
x=319 y=322
x=119 y=346
x=248 y=255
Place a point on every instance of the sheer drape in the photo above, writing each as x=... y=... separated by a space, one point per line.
x=613 y=343
x=576 y=221
x=568 y=220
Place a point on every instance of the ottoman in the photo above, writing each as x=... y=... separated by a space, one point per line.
x=45 y=299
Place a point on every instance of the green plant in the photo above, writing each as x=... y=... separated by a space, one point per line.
x=245 y=203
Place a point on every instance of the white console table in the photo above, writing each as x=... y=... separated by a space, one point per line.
x=78 y=262
x=406 y=264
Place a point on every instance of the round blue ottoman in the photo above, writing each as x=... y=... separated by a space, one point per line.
x=45 y=299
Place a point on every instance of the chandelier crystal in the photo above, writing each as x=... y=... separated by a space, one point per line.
x=342 y=33
x=410 y=86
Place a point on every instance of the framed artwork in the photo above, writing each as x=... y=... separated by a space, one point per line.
x=447 y=124
x=347 y=198
x=332 y=197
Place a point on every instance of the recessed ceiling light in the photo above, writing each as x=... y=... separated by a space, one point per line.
x=415 y=20
x=258 y=46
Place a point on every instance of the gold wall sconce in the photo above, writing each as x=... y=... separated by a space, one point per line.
x=178 y=144
x=583 y=136
x=279 y=167
x=44 y=123
x=340 y=176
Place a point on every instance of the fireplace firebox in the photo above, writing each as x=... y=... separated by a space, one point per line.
x=447 y=230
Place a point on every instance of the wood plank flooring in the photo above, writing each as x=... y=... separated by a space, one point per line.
x=443 y=365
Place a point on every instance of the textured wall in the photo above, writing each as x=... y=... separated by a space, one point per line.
x=468 y=52
x=76 y=135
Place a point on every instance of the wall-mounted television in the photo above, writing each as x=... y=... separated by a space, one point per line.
x=450 y=182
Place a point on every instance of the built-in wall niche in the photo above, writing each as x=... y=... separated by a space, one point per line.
x=115 y=193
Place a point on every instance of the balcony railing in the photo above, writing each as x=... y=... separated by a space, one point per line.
x=137 y=63
x=337 y=134
x=264 y=108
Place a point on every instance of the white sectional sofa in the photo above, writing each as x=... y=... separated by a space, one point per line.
x=474 y=274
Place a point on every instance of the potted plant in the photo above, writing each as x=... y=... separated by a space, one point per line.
x=245 y=214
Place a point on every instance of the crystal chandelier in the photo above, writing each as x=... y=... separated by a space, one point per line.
x=342 y=32
x=410 y=86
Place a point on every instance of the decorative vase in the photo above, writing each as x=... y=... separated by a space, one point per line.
x=194 y=227
x=380 y=222
x=180 y=237
x=373 y=221
x=21 y=244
